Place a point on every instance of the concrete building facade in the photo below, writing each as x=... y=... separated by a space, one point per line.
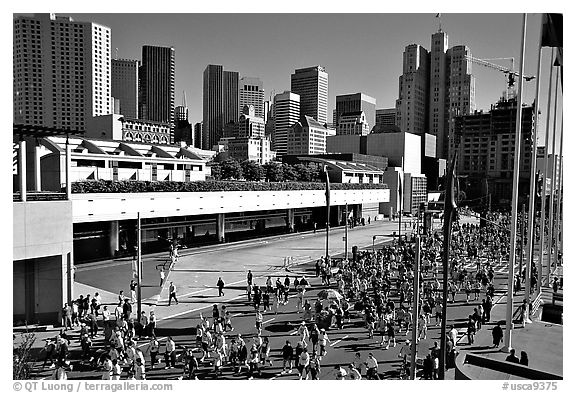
x=306 y=136
x=286 y=113
x=157 y=83
x=413 y=94
x=355 y=103
x=311 y=84
x=353 y=123
x=62 y=72
x=125 y=85
x=122 y=128
x=251 y=92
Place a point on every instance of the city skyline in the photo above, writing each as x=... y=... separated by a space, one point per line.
x=361 y=52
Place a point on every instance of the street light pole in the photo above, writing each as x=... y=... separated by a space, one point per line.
x=139 y=265
x=327 y=209
x=346 y=233
x=415 y=305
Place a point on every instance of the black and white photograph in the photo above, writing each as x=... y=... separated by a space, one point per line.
x=279 y=195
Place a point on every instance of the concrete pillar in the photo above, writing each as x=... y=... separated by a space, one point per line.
x=114 y=237
x=22 y=169
x=220 y=227
x=70 y=271
x=37 y=170
x=290 y=220
x=68 y=179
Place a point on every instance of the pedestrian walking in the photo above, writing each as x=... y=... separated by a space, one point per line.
x=220 y=285
x=497 y=335
x=133 y=286
x=162 y=276
x=172 y=293
x=287 y=355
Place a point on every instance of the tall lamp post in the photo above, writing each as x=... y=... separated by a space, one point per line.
x=139 y=266
x=327 y=209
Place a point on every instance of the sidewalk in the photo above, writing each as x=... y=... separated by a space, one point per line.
x=542 y=341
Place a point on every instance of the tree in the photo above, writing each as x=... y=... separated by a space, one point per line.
x=290 y=173
x=231 y=169
x=252 y=170
x=304 y=172
x=216 y=170
x=273 y=171
x=21 y=357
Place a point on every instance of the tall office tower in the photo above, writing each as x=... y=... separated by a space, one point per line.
x=181 y=111
x=125 y=86
x=434 y=88
x=355 y=103
x=157 y=74
x=267 y=105
x=311 y=84
x=220 y=103
x=198 y=135
x=461 y=91
x=61 y=71
x=286 y=113
x=385 y=117
x=439 y=92
x=412 y=103
x=251 y=92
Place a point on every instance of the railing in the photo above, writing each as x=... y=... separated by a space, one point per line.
x=35 y=196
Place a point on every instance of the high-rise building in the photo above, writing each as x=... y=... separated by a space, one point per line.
x=125 y=85
x=306 y=136
x=353 y=123
x=220 y=103
x=412 y=103
x=198 y=135
x=461 y=93
x=385 y=117
x=286 y=113
x=355 y=103
x=311 y=84
x=439 y=88
x=62 y=73
x=157 y=81
x=434 y=88
x=181 y=111
x=251 y=92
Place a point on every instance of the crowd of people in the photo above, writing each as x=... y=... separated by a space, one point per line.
x=374 y=287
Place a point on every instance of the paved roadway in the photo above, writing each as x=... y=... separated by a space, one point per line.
x=197 y=271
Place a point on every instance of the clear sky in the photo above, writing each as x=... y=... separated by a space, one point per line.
x=361 y=52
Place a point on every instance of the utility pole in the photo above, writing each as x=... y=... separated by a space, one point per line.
x=415 y=306
x=346 y=233
x=327 y=209
x=139 y=265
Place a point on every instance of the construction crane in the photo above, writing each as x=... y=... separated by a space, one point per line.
x=511 y=75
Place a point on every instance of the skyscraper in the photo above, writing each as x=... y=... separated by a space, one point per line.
x=157 y=74
x=286 y=113
x=434 y=88
x=62 y=73
x=181 y=111
x=385 y=117
x=125 y=85
x=412 y=103
x=251 y=93
x=355 y=103
x=220 y=103
x=311 y=84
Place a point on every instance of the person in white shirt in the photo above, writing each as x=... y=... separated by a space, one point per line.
x=340 y=373
x=170 y=353
x=371 y=367
x=139 y=370
x=106 y=368
x=116 y=370
x=323 y=340
x=304 y=364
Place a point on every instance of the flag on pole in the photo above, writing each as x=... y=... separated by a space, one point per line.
x=552 y=30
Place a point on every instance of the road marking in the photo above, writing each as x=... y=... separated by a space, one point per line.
x=337 y=341
x=196 y=309
x=270 y=320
